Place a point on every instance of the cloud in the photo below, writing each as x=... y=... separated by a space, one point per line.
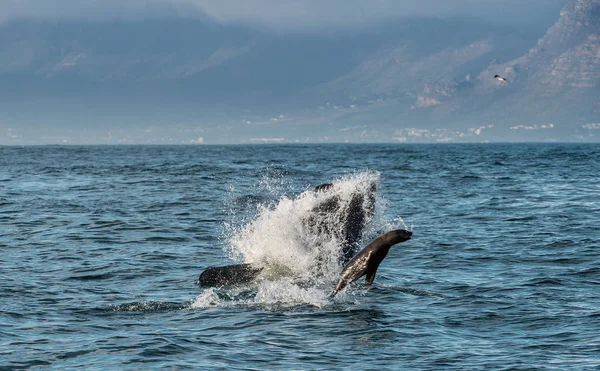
x=278 y=14
x=94 y=9
x=285 y=14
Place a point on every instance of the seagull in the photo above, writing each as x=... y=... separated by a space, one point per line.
x=500 y=78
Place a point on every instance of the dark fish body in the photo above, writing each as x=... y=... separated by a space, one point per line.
x=354 y=215
x=368 y=259
x=228 y=275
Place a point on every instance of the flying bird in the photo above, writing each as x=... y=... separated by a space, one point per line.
x=500 y=78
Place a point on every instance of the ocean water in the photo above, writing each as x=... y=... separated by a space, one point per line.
x=101 y=248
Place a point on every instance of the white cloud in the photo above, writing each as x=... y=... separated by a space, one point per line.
x=95 y=9
x=277 y=14
x=310 y=13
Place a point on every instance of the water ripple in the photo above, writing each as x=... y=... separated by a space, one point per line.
x=102 y=246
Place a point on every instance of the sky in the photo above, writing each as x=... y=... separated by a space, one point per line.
x=281 y=15
x=285 y=16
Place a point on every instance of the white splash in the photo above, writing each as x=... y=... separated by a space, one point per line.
x=286 y=293
x=300 y=259
x=207 y=299
x=280 y=237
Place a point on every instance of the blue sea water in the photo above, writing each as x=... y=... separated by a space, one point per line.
x=101 y=248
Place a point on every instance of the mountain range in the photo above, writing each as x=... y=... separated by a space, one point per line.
x=195 y=80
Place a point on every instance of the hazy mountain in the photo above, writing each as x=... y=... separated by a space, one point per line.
x=174 y=80
x=553 y=89
x=555 y=84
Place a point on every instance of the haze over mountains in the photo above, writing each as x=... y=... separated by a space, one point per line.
x=200 y=79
